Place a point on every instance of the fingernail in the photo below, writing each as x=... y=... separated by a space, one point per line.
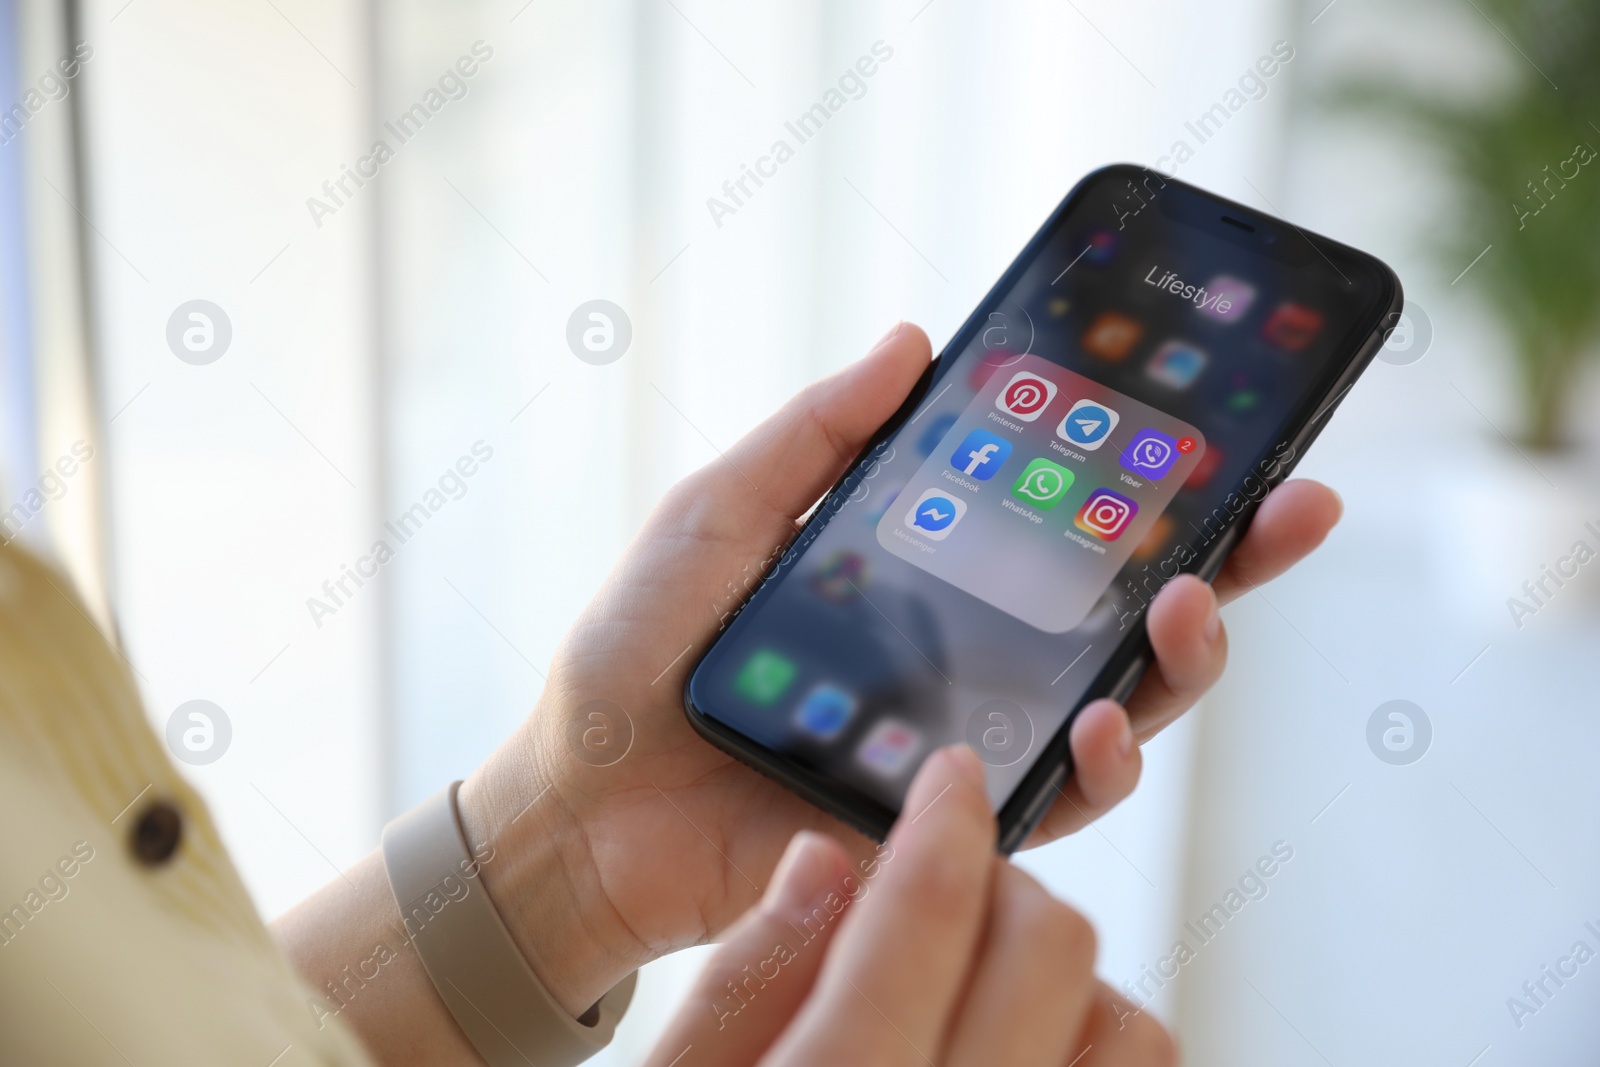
x=890 y=336
x=803 y=876
x=1213 y=627
x=1125 y=738
x=964 y=765
x=945 y=768
x=1340 y=499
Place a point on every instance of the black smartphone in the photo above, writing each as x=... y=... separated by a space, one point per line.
x=1110 y=416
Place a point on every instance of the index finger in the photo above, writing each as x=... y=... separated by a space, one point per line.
x=902 y=953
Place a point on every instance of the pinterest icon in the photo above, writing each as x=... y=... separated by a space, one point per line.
x=1026 y=396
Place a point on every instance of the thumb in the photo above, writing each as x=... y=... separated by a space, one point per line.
x=761 y=974
x=792 y=458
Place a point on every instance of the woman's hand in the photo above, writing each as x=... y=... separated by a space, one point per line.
x=933 y=950
x=601 y=868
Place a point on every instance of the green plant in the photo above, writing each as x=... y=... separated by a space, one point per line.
x=1524 y=166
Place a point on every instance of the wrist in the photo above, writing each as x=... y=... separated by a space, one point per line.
x=541 y=873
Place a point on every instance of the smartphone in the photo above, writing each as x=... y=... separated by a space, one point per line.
x=1109 y=417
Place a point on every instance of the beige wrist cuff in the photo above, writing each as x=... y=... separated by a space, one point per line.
x=497 y=1000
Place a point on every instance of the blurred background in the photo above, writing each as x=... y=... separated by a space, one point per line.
x=254 y=339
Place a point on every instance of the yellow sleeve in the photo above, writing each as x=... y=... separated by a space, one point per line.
x=107 y=957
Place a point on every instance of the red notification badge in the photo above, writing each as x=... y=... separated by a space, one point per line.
x=1186 y=445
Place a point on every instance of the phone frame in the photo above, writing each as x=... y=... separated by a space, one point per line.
x=1029 y=801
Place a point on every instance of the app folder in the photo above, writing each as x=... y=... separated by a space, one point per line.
x=1023 y=552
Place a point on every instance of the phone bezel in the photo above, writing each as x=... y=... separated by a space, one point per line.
x=1029 y=801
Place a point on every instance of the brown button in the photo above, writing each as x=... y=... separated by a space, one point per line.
x=157 y=834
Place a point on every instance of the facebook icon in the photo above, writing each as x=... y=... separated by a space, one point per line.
x=980 y=454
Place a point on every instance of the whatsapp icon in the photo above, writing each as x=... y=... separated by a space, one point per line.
x=1043 y=484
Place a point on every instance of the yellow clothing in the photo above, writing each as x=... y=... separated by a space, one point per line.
x=107 y=957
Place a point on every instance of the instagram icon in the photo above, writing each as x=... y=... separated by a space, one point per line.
x=1105 y=514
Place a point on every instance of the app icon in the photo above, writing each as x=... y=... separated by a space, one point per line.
x=825 y=711
x=1242 y=396
x=841 y=577
x=1043 y=484
x=889 y=748
x=1151 y=453
x=1087 y=425
x=1291 y=326
x=934 y=432
x=1105 y=514
x=1111 y=336
x=1155 y=539
x=935 y=514
x=1176 y=364
x=1026 y=396
x=1100 y=246
x=980 y=454
x=1228 y=298
x=1209 y=462
x=764 y=676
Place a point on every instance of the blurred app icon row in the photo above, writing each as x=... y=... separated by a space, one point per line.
x=1177 y=362
x=825 y=710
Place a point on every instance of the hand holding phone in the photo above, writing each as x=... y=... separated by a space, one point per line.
x=934 y=949
x=671 y=841
x=1098 y=436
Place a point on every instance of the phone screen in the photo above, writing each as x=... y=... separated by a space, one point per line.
x=1136 y=380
